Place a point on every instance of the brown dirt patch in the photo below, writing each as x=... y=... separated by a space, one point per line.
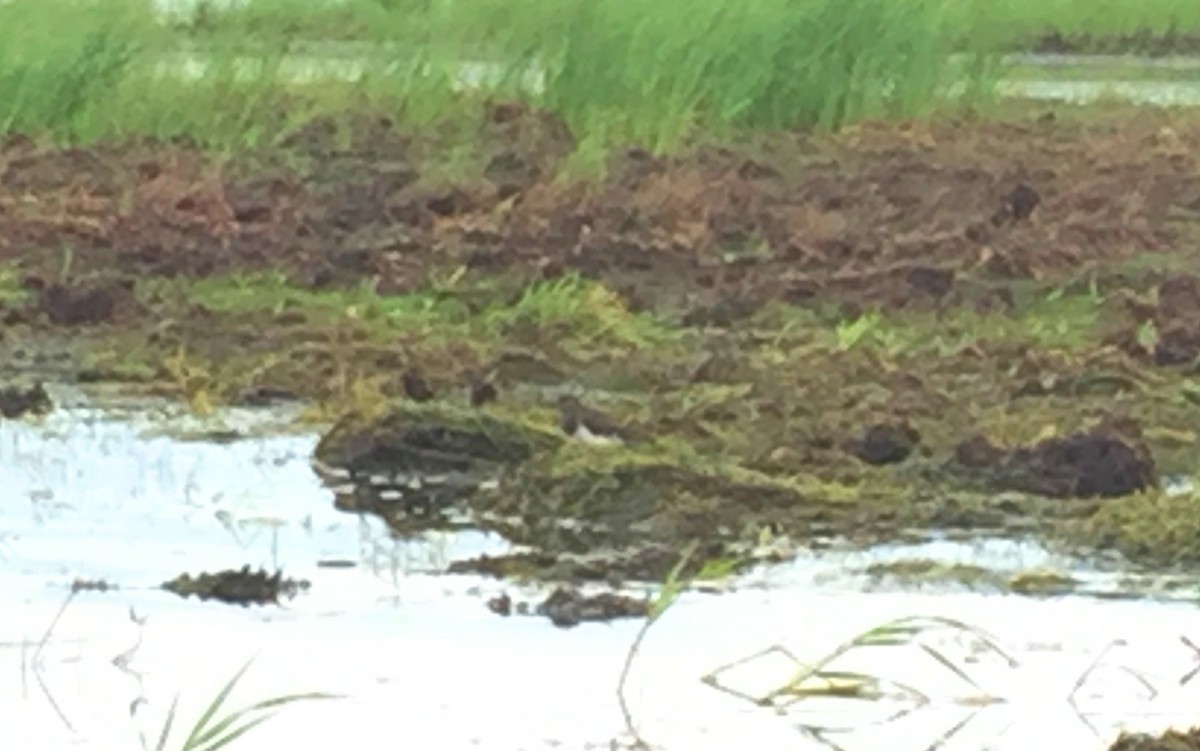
x=925 y=216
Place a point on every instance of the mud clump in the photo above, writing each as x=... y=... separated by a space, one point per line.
x=16 y=402
x=1107 y=461
x=886 y=443
x=1018 y=205
x=567 y=607
x=1172 y=740
x=429 y=439
x=1176 y=317
x=84 y=304
x=421 y=464
x=237 y=587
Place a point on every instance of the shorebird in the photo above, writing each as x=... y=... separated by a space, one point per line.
x=482 y=389
x=586 y=424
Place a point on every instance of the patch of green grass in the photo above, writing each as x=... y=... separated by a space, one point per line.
x=61 y=57
x=12 y=292
x=1058 y=320
x=271 y=293
x=654 y=72
x=569 y=312
x=1135 y=527
x=574 y=310
x=210 y=733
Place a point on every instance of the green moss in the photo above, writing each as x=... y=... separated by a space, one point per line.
x=12 y=292
x=1056 y=320
x=1151 y=526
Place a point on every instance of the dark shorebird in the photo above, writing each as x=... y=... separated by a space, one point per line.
x=580 y=421
x=482 y=389
x=416 y=388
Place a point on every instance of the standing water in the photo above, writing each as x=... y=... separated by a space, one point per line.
x=134 y=496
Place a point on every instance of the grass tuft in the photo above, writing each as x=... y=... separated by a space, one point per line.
x=210 y=733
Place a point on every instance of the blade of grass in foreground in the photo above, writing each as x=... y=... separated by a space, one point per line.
x=210 y=734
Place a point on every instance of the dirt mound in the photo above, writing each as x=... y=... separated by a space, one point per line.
x=1109 y=460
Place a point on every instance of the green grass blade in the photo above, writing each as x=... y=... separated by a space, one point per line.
x=198 y=730
x=234 y=734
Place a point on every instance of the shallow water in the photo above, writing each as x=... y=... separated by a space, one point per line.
x=419 y=659
x=339 y=63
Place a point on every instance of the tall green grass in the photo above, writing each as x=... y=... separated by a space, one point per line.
x=58 y=59
x=646 y=71
x=652 y=72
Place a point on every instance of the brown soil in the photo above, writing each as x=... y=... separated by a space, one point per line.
x=987 y=412
x=902 y=216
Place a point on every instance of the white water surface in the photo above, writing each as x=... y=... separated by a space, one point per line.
x=420 y=660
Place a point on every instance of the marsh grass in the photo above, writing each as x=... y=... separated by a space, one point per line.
x=211 y=732
x=1063 y=318
x=659 y=73
x=618 y=71
x=570 y=310
x=655 y=72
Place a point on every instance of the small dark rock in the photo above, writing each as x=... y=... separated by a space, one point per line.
x=932 y=281
x=887 y=443
x=16 y=402
x=1178 y=344
x=502 y=605
x=1018 y=205
x=82 y=305
x=566 y=608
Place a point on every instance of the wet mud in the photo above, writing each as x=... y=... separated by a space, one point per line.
x=567 y=608
x=237 y=587
x=18 y=401
x=980 y=326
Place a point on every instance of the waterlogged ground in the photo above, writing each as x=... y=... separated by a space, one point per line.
x=966 y=347
x=108 y=495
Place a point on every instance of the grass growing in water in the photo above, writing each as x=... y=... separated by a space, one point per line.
x=617 y=70
x=210 y=733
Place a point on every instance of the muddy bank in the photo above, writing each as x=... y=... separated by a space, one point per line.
x=1144 y=41
x=964 y=325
